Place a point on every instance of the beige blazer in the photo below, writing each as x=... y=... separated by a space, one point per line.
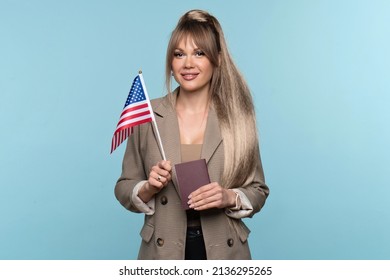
x=164 y=233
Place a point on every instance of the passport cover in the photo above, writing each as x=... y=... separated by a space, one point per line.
x=190 y=176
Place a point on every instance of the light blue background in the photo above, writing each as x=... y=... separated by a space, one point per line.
x=319 y=72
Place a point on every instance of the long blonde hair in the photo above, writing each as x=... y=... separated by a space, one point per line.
x=229 y=94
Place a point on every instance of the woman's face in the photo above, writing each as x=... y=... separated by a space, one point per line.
x=191 y=68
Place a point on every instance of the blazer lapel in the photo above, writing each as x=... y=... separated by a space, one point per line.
x=170 y=135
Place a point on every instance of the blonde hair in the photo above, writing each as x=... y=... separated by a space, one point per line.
x=229 y=95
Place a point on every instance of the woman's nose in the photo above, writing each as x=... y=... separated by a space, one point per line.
x=188 y=62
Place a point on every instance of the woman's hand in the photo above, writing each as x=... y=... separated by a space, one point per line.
x=159 y=176
x=212 y=196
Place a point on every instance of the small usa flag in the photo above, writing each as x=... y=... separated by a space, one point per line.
x=136 y=111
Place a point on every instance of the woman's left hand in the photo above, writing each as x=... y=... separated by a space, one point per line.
x=211 y=196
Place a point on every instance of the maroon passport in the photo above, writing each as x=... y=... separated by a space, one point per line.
x=190 y=176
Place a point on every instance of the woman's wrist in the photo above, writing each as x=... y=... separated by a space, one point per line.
x=146 y=192
x=235 y=201
x=151 y=189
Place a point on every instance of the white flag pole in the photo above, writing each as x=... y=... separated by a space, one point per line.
x=153 y=118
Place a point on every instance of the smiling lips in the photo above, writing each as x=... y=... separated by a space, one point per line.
x=189 y=76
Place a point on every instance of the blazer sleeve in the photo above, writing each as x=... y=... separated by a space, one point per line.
x=255 y=188
x=132 y=170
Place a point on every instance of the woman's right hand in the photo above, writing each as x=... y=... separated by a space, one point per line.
x=159 y=176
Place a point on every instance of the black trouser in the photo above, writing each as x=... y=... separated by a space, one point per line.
x=195 y=249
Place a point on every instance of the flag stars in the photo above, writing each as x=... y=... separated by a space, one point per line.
x=136 y=93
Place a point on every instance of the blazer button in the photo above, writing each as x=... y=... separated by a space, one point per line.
x=160 y=242
x=163 y=200
x=230 y=242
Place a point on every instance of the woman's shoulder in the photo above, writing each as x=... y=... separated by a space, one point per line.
x=155 y=102
x=161 y=104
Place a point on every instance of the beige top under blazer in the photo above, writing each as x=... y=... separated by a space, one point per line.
x=164 y=233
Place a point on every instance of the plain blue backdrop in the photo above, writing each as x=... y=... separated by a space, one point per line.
x=320 y=75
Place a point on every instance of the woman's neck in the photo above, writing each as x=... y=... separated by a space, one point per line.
x=192 y=111
x=192 y=102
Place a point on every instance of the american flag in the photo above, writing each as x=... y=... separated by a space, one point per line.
x=136 y=111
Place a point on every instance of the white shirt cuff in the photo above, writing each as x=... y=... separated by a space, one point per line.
x=246 y=207
x=147 y=208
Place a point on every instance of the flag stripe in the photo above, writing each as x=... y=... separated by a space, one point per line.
x=133 y=122
x=119 y=138
x=134 y=114
x=121 y=135
x=130 y=113
x=134 y=107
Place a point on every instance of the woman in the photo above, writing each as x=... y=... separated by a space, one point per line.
x=211 y=116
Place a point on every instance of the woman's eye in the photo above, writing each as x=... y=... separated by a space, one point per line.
x=199 y=53
x=178 y=54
